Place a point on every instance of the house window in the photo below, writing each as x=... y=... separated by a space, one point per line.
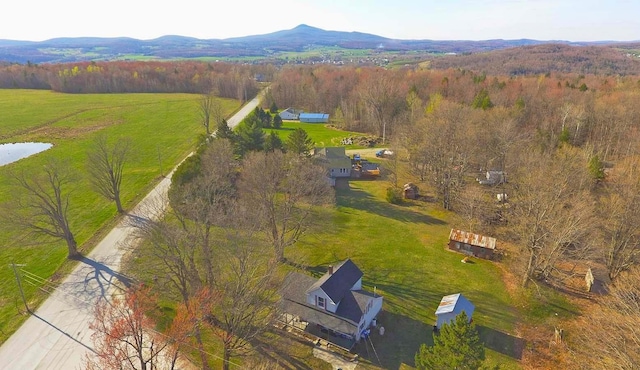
x=321 y=302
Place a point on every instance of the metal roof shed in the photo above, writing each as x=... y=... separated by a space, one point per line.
x=451 y=306
x=314 y=117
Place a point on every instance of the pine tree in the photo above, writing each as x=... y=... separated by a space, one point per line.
x=299 y=142
x=223 y=131
x=273 y=142
x=457 y=346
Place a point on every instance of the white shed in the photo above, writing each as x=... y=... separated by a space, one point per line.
x=451 y=306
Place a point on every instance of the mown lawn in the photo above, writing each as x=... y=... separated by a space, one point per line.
x=162 y=128
x=402 y=251
x=321 y=134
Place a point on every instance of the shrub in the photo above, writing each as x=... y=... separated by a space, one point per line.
x=394 y=195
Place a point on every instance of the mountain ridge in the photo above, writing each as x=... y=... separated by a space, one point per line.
x=297 y=39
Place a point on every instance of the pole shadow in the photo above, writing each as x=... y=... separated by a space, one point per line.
x=63 y=332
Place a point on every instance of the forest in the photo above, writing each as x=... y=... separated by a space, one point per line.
x=233 y=81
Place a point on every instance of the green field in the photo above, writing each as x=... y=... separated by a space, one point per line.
x=402 y=251
x=321 y=134
x=163 y=129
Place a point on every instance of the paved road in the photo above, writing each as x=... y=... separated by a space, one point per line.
x=57 y=335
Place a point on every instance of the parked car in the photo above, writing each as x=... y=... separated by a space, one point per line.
x=384 y=153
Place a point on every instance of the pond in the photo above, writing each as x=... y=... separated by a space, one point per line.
x=12 y=152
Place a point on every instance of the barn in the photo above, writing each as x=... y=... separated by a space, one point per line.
x=451 y=306
x=471 y=244
x=314 y=117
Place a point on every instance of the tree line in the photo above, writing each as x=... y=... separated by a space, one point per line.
x=233 y=81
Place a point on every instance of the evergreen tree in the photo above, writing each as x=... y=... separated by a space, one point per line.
x=482 y=100
x=249 y=137
x=273 y=142
x=277 y=121
x=457 y=346
x=274 y=108
x=223 y=131
x=299 y=142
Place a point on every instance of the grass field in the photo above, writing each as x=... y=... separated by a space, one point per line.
x=402 y=251
x=163 y=129
x=321 y=134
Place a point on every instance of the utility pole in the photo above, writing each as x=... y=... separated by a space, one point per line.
x=15 y=272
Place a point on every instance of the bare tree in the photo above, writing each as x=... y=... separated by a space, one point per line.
x=42 y=205
x=383 y=101
x=621 y=219
x=210 y=109
x=174 y=258
x=106 y=165
x=246 y=294
x=607 y=336
x=283 y=191
x=551 y=213
x=124 y=336
x=438 y=150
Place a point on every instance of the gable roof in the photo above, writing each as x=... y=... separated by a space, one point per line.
x=353 y=304
x=338 y=283
x=472 y=239
x=331 y=152
x=294 y=294
x=449 y=303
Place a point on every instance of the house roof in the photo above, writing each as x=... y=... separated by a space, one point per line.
x=449 y=303
x=331 y=152
x=472 y=239
x=294 y=294
x=338 y=283
x=353 y=304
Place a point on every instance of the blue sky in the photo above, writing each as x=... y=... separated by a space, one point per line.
x=573 y=20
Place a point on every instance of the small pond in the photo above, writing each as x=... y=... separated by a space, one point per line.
x=14 y=151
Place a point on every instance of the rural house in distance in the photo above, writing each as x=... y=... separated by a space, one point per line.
x=290 y=114
x=471 y=244
x=333 y=307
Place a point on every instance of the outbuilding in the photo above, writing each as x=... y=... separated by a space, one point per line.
x=451 y=306
x=471 y=244
x=314 y=117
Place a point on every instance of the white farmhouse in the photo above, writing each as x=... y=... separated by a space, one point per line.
x=334 y=307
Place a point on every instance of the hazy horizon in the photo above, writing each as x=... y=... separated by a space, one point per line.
x=473 y=20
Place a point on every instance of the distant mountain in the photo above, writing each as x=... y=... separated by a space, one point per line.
x=298 y=39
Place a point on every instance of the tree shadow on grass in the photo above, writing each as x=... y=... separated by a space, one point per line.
x=501 y=342
x=361 y=200
x=279 y=350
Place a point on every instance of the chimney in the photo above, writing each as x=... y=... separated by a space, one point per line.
x=330 y=269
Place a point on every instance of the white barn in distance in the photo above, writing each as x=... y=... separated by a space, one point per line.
x=451 y=306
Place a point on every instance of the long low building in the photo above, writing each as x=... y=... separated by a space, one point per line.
x=314 y=117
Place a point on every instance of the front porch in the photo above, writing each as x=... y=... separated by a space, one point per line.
x=318 y=333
